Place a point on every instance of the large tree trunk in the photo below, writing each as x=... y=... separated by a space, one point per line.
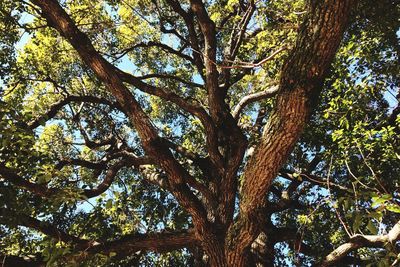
x=301 y=82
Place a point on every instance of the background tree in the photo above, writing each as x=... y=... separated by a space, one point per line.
x=190 y=133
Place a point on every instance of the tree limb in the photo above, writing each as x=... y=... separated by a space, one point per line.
x=44 y=191
x=38 y=189
x=55 y=108
x=107 y=73
x=194 y=42
x=157 y=242
x=157 y=44
x=253 y=98
x=207 y=26
x=360 y=241
x=124 y=246
x=236 y=40
x=100 y=165
x=43 y=227
x=301 y=81
x=187 y=105
x=21 y=261
x=313 y=179
x=172 y=77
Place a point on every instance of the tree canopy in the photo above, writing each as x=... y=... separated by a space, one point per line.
x=199 y=133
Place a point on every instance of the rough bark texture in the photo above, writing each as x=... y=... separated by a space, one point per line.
x=300 y=85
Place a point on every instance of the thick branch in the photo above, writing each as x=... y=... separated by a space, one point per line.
x=360 y=241
x=234 y=142
x=125 y=246
x=44 y=227
x=194 y=42
x=207 y=26
x=26 y=261
x=187 y=105
x=157 y=242
x=44 y=191
x=38 y=189
x=107 y=181
x=301 y=82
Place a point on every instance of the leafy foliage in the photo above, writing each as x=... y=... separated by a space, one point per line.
x=62 y=130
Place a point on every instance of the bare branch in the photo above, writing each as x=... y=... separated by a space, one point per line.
x=311 y=178
x=154 y=176
x=172 y=77
x=360 y=241
x=270 y=92
x=257 y=64
x=236 y=39
x=157 y=44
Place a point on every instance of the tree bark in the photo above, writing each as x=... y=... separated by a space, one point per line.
x=301 y=82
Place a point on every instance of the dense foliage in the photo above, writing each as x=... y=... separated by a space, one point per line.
x=78 y=186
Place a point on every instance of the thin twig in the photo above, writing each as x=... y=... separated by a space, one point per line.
x=330 y=196
x=245 y=65
x=372 y=171
x=355 y=177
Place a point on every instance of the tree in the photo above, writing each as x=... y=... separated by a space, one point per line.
x=199 y=133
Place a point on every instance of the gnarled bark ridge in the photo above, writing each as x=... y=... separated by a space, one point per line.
x=300 y=85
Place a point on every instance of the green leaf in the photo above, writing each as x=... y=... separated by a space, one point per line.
x=109 y=204
x=378 y=200
x=372 y=228
x=357 y=222
x=376 y=215
x=393 y=208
